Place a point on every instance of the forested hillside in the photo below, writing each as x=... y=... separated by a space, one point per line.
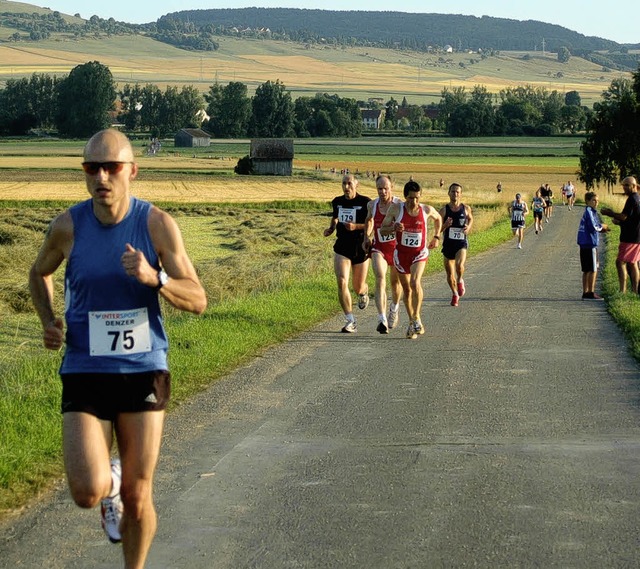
x=397 y=29
x=201 y=30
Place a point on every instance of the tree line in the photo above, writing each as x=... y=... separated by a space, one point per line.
x=88 y=99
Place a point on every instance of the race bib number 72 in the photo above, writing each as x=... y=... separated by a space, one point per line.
x=117 y=333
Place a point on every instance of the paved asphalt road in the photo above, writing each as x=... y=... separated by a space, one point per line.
x=507 y=436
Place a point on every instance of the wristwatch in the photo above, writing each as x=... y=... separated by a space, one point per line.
x=163 y=279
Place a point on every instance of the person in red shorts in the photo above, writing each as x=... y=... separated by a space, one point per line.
x=629 y=221
x=408 y=221
x=381 y=248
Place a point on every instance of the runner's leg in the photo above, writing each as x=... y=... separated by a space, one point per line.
x=359 y=277
x=379 y=265
x=139 y=436
x=342 y=268
x=86 y=449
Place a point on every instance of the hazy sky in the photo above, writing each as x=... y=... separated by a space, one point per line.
x=617 y=20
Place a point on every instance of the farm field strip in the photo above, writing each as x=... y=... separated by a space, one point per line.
x=240 y=190
x=356 y=72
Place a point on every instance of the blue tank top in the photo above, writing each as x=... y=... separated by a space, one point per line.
x=113 y=322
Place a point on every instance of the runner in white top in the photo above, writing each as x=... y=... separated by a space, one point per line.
x=570 y=193
x=518 y=209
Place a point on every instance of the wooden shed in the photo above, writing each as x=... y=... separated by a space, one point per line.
x=191 y=138
x=272 y=156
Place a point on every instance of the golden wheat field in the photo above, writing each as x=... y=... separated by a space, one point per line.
x=183 y=177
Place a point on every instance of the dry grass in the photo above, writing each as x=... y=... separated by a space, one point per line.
x=27 y=178
x=240 y=190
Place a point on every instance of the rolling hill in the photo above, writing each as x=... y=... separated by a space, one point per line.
x=304 y=67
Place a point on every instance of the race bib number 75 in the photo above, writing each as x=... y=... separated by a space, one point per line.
x=117 y=333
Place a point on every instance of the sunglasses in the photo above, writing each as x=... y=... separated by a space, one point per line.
x=92 y=168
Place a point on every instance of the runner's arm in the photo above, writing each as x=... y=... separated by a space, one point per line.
x=388 y=223
x=56 y=245
x=368 y=227
x=437 y=226
x=183 y=289
x=469 y=216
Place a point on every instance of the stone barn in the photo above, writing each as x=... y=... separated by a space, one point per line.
x=191 y=138
x=272 y=156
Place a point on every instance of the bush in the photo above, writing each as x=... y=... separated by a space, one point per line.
x=244 y=167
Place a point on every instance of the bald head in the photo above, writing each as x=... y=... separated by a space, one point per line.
x=629 y=185
x=108 y=145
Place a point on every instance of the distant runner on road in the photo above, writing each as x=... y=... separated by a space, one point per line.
x=518 y=209
x=457 y=220
x=537 y=205
x=570 y=194
x=547 y=195
x=408 y=221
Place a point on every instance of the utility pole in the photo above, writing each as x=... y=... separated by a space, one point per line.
x=542 y=46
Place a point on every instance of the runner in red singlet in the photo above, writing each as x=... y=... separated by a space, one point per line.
x=381 y=248
x=408 y=221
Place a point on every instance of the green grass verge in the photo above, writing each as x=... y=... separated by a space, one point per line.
x=624 y=308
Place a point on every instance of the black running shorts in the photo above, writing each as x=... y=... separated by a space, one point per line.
x=105 y=395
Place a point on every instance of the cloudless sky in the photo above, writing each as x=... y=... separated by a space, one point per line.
x=617 y=20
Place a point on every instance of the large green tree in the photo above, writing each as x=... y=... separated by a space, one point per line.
x=85 y=98
x=611 y=150
x=229 y=110
x=131 y=105
x=28 y=103
x=327 y=115
x=178 y=109
x=476 y=117
x=271 y=111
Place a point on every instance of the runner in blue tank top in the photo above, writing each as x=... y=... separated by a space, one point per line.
x=457 y=220
x=121 y=253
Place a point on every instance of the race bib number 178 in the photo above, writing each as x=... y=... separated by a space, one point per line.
x=117 y=333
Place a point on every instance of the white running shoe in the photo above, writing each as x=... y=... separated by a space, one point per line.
x=519 y=246
x=393 y=318
x=111 y=507
x=349 y=327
